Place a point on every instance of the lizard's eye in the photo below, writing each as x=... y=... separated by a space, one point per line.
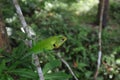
x=54 y=45
x=62 y=39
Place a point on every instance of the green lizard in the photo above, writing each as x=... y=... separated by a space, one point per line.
x=48 y=44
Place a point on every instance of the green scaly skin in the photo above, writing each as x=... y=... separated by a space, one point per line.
x=48 y=44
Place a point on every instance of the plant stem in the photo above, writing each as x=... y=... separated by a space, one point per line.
x=99 y=42
x=28 y=32
x=69 y=68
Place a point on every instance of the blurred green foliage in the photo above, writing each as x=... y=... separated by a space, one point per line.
x=115 y=10
x=73 y=19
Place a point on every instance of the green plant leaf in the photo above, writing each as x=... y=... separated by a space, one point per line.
x=25 y=73
x=2 y=66
x=118 y=61
x=57 y=76
x=88 y=74
x=9 y=77
x=81 y=66
x=51 y=65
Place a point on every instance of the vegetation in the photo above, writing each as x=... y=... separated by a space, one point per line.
x=72 y=18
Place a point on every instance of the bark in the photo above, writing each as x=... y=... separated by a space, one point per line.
x=4 y=42
x=105 y=13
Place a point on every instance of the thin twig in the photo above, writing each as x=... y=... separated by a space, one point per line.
x=37 y=64
x=28 y=32
x=22 y=19
x=99 y=42
x=69 y=68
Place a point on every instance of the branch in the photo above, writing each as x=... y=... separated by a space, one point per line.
x=37 y=64
x=28 y=31
x=99 y=42
x=69 y=68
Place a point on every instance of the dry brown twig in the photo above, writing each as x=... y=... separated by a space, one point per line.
x=69 y=68
x=99 y=42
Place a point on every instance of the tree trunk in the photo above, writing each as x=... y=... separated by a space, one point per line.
x=105 y=13
x=4 y=43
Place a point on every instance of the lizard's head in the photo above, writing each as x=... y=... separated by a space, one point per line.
x=59 y=41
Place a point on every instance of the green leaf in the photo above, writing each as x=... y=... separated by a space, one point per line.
x=81 y=66
x=88 y=74
x=2 y=66
x=1 y=51
x=100 y=78
x=9 y=77
x=3 y=77
x=24 y=73
x=51 y=65
x=118 y=61
x=57 y=76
